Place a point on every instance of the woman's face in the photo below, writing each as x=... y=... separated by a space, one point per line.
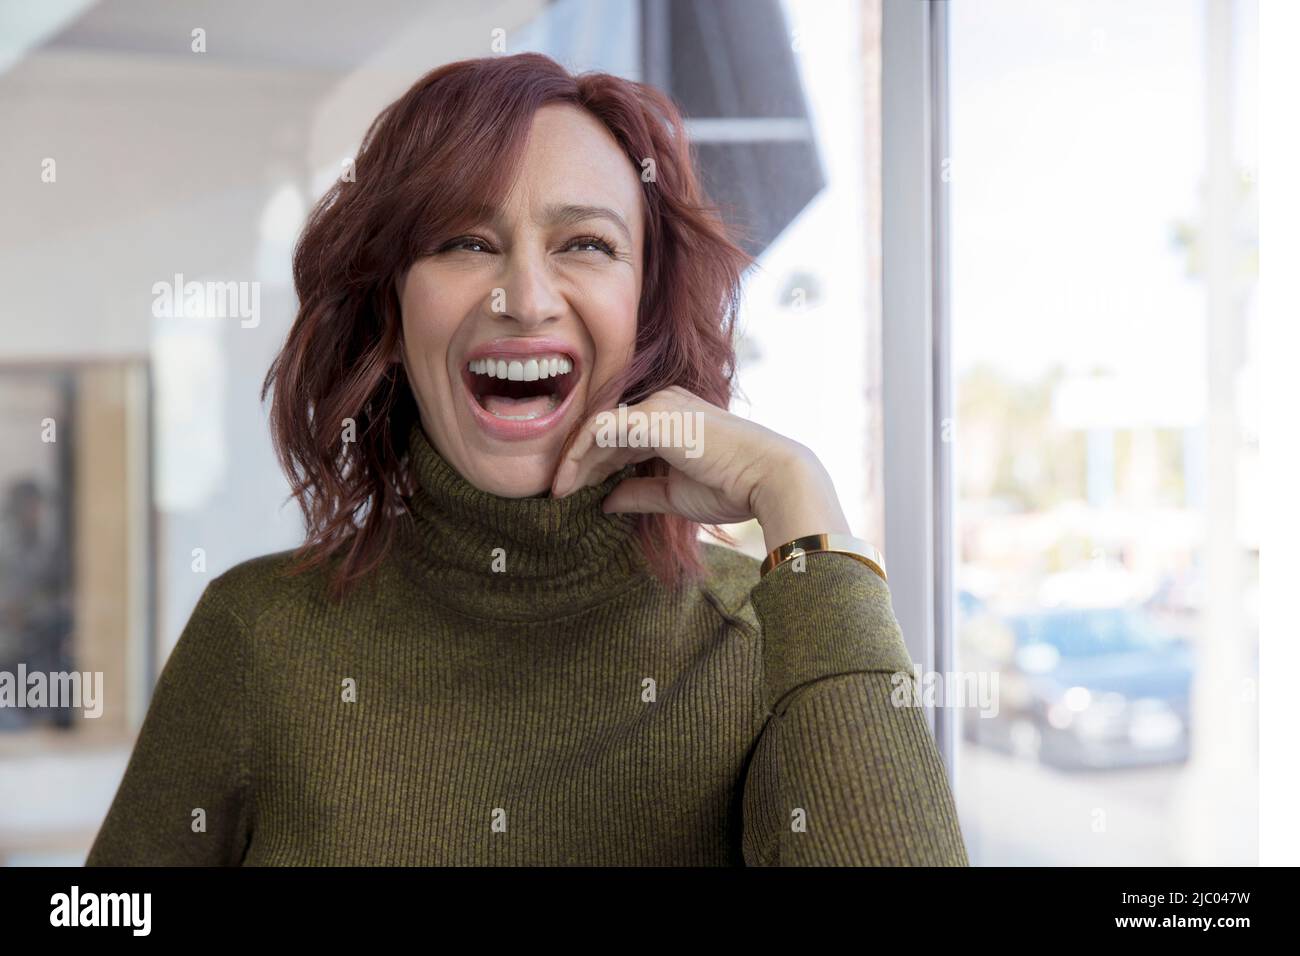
x=551 y=282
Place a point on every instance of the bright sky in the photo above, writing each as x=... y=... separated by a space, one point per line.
x=1078 y=140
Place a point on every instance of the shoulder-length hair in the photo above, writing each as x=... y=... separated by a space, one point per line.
x=430 y=164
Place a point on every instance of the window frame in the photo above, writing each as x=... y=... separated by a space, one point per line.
x=916 y=341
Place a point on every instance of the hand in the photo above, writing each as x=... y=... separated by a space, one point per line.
x=723 y=469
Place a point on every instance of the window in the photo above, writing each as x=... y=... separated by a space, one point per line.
x=1103 y=255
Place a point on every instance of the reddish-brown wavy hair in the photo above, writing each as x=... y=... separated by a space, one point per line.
x=433 y=162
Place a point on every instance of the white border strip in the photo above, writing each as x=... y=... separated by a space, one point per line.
x=1279 y=566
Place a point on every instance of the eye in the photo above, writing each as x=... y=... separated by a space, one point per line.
x=466 y=244
x=591 y=244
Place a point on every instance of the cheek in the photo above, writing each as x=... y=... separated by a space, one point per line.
x=610 y=318
x=429 y=322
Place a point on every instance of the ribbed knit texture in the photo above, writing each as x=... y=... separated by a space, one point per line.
x=566 y=710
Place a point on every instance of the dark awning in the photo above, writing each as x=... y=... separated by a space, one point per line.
x=730 y=66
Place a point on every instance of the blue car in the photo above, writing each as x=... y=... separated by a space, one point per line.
x=1086 y=688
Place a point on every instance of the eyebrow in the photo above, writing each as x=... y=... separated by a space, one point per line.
x=569 y=215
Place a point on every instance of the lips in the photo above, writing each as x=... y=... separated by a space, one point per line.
x=520 y=388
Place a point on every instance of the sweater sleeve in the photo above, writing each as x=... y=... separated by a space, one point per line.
x=184 y=799
x=841 y=776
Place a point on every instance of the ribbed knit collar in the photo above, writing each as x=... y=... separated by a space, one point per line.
x=560 y=556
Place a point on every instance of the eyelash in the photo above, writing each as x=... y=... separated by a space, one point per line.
x=456 y=243
x=602 y=245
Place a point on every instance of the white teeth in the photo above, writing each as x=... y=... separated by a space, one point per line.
x=523 y=370
x=552 y=404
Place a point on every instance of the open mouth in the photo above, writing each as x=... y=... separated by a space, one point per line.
x=521 y=388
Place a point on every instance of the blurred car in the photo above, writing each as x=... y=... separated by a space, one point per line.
x=1084 y=688
x=1178 y=600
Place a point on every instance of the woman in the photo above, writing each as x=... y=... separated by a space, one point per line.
x=502 y=642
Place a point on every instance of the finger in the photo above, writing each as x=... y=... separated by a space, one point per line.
x=596 y=465
x=567 y=467
x=639 y=495
x=571 y=473
x=590 y=460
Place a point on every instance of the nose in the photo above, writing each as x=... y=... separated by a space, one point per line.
x=528 y=294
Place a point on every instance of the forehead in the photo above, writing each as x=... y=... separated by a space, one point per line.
x=571 y=159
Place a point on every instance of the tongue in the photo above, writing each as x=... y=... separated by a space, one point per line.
x=534 y=407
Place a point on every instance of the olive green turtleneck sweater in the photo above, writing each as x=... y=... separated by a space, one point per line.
x=565 y=710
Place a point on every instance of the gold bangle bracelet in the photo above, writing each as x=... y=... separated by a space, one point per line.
x=835 y=543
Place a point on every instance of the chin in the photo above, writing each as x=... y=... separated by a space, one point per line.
x=514 y=476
